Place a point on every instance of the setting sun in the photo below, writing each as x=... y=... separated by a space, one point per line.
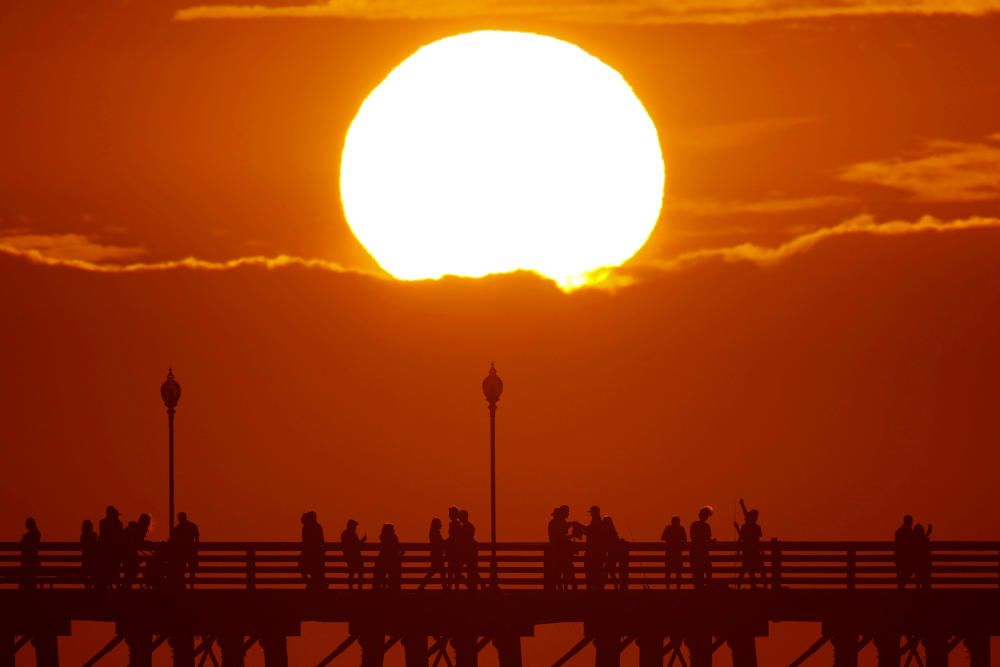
x=491 y=152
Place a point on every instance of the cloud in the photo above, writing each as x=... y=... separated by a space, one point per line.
x=65 y=247
x=610 y=279
x=862 y=225
x=595 y=11
x=713 y=208
x=945 y=171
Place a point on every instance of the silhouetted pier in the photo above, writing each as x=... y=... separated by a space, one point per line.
x=249 y=592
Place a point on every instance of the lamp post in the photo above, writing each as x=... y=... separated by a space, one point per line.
x=170 y=392
x=492 y=388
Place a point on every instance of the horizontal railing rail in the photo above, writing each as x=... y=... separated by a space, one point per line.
x=846 y=565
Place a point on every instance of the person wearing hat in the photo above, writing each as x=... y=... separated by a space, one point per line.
x=701 y=538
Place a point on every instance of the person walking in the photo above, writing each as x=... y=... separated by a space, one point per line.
x=437 y=552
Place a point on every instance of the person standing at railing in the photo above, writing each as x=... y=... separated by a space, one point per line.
x=469 y=549
x=109 y=547
x=312 y=561
x=453 y=548
x=351 y=545
x=559 y=574
x=674 y=537
x=88 y=554
x=596 y=550
x=437 y=550
x=903 y=549
x=922 y=555
x=752 y=560
x=616 y=566
x=183 y=550
x=701 y=540
x=134 y=539
x=389 y=562
x=31 y=562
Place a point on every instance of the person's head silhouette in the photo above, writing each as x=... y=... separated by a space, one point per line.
x=705 y=512
x=463 y=516
x=87 y=527
x=453 y=513
x=908 y=521
x=436 y=523
x=182 y=517
x=111 y=512
x=675 y=521
x=752 y=516
x=30 y=524
x=595 y=512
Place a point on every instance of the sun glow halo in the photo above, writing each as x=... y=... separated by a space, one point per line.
x=494 y=151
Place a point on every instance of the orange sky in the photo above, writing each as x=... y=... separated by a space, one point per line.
x=813 y=325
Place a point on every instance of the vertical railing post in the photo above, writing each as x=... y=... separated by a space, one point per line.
x=852 y=567
x=251 y=568
x=998 y=569
x=775 y=563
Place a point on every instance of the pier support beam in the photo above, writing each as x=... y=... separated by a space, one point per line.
x=140 y=649
x=275 y=650
x=182 y=646
x=650 y=650
x=979 y=650
x=699 y=649
x=887 y=646
x=46 y=647
x=466 y=651
x=744 y=650
x=936 y=647
x=7 y=650
x=233 y=653
x=607 y=649
x=372 y=648
x=415 y=650
x=845 y=649
x=508 y=648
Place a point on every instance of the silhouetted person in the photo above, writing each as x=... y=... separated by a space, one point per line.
x=752 y=559
x=351 y=544
x=312 y=561
x=674 y=538
x=616 y=566
x=389 y=562
x=182 y=555
x=921 y=555
x=31 y=562
x=156 y=574
x=453 y=548
x=595 y=551
x=701 y=539
x=559 y=555
x=88 y=554
x=903 y=547
x=437 y=549
x=469 y=550
x=110 y=542
x=134 y=539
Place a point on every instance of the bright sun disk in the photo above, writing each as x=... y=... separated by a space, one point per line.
x=492 y=151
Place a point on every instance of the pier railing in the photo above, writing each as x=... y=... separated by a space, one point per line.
x=523 y=566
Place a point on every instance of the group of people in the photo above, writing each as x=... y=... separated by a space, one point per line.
x=117 y=555
x=913 y=553
x=605 y=552
x=453 y=559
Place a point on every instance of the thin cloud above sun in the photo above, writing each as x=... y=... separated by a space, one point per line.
x=597 y=11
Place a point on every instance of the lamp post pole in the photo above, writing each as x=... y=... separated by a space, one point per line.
x=170 y=392
x=492 y=388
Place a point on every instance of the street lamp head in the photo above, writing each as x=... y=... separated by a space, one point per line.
x=492 y=386
x=170 y=391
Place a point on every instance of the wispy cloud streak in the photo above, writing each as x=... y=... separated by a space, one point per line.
x=595 y=11
x=945 y=171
